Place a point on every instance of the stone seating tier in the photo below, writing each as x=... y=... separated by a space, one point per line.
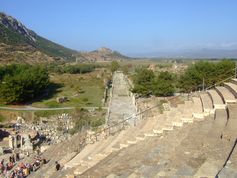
x=226 y=94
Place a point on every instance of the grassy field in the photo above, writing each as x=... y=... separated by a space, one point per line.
x=81 y=90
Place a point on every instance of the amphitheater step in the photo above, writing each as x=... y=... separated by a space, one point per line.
x=103 y=152
x=187 y=119
x=111 y=146
x=177 y=122
x=221 y=118
x=232 y=112
x=226 y=94
x=233 y=80
x=209 y=169
x=207 y=103
x=164 y=124
x=146 y=131
x=80 y=169
x=111 y=176
x=133 y=135
x=232 y=87
x=197 y=105
x=133 y=175
x=101 y=156
x=103 y=144
x=90 y=150
x=130 y=136
x=84 y=153
x=186 y=115
x=217 y=100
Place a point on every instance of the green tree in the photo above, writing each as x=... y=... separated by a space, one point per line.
x=164 y=84
x=21 y=83
x=211 y=72
x=143 y=81
x=114 y=66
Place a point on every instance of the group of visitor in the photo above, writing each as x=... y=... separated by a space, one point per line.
x=4 y=167
x=22 y=170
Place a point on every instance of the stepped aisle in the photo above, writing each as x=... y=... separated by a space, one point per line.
x=121 y=104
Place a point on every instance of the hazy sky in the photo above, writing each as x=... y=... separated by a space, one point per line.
x=130 y=26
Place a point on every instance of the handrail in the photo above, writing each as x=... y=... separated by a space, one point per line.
x=219 y=82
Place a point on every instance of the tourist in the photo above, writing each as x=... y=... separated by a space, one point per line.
x=13 y=174
x=17 y=157
x=9 y=166
x=26 y=171
x=10 y=159
x=2 y=167
x=57 y=166
x=44 y=161
x=13 y=158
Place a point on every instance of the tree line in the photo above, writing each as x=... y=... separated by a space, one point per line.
x=146 y=82
x=22 y=82
x=205 y=72
x=71 y=69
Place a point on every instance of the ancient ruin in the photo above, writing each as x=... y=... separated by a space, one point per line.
x=190 y=135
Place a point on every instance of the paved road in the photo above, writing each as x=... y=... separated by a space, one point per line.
x=30 y=108
x=121 y=105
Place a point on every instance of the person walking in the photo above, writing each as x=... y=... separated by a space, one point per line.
x=57 y=166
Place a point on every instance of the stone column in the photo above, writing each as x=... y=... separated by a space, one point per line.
x=15 y=141
x=21 y=141
x=11 y=142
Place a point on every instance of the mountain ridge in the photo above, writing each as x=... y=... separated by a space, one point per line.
x=15 y=34
x=203 y=53
x=102 y=54
x=20 y=44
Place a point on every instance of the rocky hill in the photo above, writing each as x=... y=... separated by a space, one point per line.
x=100 y=55
x=18 y=43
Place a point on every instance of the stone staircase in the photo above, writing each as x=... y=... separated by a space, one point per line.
x=190 y=140
x=150 y=127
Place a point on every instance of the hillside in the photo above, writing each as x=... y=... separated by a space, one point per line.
x=100 y=55
x=21 y=44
